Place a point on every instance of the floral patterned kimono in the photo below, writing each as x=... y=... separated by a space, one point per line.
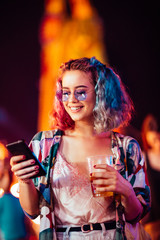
x=125 y=150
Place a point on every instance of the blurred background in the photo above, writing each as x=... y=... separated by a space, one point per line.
x=37 y=36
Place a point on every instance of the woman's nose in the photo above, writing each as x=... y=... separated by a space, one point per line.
x=72 y=98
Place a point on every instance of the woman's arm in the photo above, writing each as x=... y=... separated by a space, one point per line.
x=133 y=209
x=28 y=195
x=29 y=198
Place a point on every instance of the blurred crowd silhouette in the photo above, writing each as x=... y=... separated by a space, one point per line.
x=151 y=149
x=14 y=225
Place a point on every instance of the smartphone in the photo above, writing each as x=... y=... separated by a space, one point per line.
x=21 y=148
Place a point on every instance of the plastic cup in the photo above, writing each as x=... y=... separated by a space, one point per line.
x=95 y=160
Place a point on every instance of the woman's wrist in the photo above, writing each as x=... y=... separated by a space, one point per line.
x=134 y=213
x=135 y=219
x=24 y=181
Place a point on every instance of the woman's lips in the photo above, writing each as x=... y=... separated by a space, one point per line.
x=75 y=109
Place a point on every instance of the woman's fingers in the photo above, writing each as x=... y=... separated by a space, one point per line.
x=16 y=159
x=23 y=169
x=107 y=188
x=103 y=182
x=26 y=171
x=23 y=164
x=108 y=180
x=105 y=178
x=104 y=166
x=26 y=174
x=104 y=174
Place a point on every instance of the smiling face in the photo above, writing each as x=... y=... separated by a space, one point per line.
x=75 y=84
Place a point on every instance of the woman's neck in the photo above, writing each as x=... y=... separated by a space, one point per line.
x=85 y=130
x=82 y=130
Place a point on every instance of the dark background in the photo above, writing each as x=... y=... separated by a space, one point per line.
x=132 y=44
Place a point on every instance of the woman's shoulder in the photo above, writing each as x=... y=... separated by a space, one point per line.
x=42 y=142
x=123 y=138
x=128 y=143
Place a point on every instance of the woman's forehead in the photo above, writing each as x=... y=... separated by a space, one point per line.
x=74 y=78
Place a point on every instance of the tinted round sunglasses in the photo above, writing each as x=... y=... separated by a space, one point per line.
x=80 y=95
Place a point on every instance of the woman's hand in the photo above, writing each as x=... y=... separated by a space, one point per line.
x=23 y=169
x=110 y=180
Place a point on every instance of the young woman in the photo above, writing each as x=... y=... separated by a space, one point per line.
x=90 y=102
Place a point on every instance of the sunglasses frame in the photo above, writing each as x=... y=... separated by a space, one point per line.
x=59 y=95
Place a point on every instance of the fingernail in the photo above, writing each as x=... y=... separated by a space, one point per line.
x=33 y=161
x=94 y=166
x=90 y=174
x=36 y=167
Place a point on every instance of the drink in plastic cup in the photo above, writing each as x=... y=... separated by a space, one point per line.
x=95 y=160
